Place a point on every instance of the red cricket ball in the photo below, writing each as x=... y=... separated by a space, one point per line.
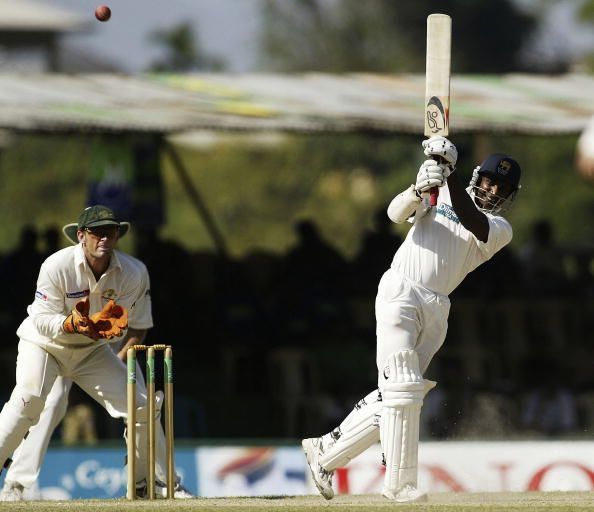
x=103 y=13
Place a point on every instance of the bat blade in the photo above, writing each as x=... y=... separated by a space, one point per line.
x=437 y=79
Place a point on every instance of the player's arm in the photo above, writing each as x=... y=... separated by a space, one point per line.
x=47 y=311
x=470 y=216
x=410 y=202
x=404 y=205
x=133 y=337
x=444 y=152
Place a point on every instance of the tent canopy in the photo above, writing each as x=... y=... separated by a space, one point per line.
x=30 y=16
x=312 y=102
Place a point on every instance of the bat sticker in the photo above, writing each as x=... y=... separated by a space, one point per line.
x=437 y=116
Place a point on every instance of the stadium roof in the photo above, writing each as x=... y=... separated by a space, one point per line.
x=313 y=102
x=26 y=15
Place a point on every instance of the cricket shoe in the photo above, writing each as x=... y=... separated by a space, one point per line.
x=142 y=490
x=322 y=478
x=408 y=494
x=179 y=491
x=12 y=491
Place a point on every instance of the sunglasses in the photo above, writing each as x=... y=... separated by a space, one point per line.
x=103 y=232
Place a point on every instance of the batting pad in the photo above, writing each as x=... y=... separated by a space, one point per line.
x=358 y=431
x=403 y=392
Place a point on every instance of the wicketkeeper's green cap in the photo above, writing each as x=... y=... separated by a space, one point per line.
x=93 y=217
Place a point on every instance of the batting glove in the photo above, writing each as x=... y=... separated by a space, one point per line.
x=443 y=148
x=431 y=174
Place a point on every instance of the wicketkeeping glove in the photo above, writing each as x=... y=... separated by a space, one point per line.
x=78 y=320
x=111 y=321
x=431 y=174
x=443 y=148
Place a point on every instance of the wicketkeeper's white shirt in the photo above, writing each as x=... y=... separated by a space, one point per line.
x=432 y=257
x=66 y=278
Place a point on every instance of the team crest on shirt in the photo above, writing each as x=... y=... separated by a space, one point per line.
x=448 y=212
x=109 y=294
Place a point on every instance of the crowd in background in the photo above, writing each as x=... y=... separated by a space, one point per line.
x=280 y=345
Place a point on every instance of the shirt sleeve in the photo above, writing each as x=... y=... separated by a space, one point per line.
x=140 y=315
x=500 y=234
x=47 y=310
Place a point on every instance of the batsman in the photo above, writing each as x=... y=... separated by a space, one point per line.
x=446 y=242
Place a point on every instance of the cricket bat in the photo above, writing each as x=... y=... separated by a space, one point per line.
x=437 y=81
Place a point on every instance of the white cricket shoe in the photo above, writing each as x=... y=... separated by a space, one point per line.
x=12 y=491
x=179 y=491
x=408 y=494
x=322 y=478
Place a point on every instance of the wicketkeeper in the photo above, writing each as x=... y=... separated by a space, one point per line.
x=86 y=295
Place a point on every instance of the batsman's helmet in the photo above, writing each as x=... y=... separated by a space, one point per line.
x=500 y=168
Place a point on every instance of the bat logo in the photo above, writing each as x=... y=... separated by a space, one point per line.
x=437 y=116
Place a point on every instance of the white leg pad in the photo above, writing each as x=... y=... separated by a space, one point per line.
x=403 y=391
x=358 y=431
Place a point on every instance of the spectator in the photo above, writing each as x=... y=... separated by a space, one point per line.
x=549 y=405
x=542 y=262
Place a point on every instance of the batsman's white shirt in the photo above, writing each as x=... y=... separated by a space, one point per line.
x=438 y=252
x=412 y=304
x=66 y=278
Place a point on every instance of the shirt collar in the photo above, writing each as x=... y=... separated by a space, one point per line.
x=80 y=260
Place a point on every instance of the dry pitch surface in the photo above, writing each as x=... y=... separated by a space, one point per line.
x=450 y=502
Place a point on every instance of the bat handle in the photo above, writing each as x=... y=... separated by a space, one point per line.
x=433 y=193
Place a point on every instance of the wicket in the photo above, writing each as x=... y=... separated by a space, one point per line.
x=131 y=428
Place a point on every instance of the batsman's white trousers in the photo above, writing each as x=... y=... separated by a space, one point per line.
x=408 y=317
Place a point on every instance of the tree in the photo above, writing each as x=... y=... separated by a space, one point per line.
x=586 y=11
x=182 y=51
x=586 y=14
x=389 y=36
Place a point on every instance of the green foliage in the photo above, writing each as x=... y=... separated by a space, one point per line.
x=42 y=183
x=389 y=36
x=257 y=192
x=182 y=51
x=551 y=188
x=586 y=14
x=586 y=11
x=339 y=181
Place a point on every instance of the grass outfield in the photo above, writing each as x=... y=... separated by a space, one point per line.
x=454 y=502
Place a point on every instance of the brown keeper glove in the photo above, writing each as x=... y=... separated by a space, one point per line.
x=78 y=320
x=111 y=321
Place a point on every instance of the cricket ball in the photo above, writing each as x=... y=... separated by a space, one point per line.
x=103 y=13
